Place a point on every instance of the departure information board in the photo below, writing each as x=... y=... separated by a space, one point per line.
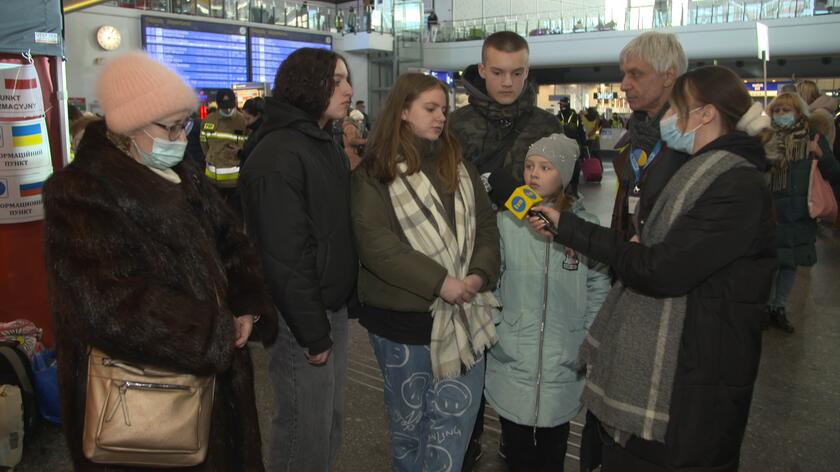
x=207 y=55
x=269 y=48
x=446 y=77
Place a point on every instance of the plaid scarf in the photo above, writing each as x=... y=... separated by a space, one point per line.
x=788 y=144
x=630 y=352
x=459 y=333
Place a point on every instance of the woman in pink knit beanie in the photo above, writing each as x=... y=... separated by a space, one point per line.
x=148 y=265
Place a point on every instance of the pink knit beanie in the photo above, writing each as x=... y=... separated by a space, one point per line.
x=136 y=90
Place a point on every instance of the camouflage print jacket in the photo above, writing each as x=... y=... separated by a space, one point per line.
x=494 y=136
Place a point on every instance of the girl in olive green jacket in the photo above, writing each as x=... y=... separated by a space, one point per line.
x=429 y=250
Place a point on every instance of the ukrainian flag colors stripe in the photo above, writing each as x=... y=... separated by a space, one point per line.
x=26 y=135
x=26 y=130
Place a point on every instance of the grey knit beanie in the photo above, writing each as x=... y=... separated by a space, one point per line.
x=561 y=151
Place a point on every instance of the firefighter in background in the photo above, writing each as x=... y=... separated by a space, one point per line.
x=222 y=136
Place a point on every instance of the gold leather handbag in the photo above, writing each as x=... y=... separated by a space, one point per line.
x=144 y=416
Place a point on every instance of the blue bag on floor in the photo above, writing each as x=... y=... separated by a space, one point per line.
x=45 y=370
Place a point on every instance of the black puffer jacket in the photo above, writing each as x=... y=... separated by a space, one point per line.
x=251 y=142
x=296 y=196
x=721 y=255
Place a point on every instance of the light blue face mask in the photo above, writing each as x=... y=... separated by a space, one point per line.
x=784 y=120
x=676 y=139
x=165 y=154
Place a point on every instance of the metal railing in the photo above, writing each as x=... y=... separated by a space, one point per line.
x=577 y=19
x=295 y=14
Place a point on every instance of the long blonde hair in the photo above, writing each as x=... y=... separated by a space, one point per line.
x=563 y=201
x=808 y=90
x=393 y=139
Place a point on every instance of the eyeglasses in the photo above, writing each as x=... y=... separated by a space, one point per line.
x=176 y=129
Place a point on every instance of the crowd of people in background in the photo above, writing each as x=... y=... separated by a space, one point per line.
x=299 y=214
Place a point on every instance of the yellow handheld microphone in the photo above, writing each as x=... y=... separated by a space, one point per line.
x=522 y=200
x=518 y=200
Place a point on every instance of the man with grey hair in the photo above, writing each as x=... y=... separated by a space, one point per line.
x=650 y=63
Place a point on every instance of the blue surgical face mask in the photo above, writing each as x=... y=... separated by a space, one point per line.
x=784 y=120
x=676 y=139
x=165 y=154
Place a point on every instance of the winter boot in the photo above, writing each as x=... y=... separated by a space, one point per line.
x=778 y=317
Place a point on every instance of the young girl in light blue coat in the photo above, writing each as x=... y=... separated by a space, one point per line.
x=550 y=295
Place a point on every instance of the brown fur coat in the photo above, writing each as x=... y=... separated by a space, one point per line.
x=135 y=263
x=822 y=118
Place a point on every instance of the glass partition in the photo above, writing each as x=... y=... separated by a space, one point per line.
x=297 y=14
x=571 y=16
x=576 y=17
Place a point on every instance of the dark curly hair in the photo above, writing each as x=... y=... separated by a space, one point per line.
x=305 y=80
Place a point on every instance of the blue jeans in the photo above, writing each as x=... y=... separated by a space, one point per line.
x=430 y=422
x=782 y=285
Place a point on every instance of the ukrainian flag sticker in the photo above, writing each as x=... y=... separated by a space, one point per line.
x=24 y=146
x=26 y=135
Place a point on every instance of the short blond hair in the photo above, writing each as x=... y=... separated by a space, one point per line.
x=662 y=51
x=790 y=100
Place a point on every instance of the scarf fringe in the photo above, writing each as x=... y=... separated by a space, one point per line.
x=788 y=145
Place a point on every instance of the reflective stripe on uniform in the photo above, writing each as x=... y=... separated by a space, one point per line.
x=236 y=138
x=221 y=174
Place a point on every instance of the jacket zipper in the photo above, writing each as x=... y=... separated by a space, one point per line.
x=127 y=385
x=542 y=335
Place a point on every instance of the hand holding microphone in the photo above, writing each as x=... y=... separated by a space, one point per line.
x=544 y=220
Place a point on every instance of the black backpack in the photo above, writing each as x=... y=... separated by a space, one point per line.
x=15 y=369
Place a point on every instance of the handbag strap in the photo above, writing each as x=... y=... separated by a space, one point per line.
x=20 y=370
x=135 y=369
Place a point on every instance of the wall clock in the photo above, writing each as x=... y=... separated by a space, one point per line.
x=108 y=37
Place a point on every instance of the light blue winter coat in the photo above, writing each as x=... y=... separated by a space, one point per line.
x=534 y=339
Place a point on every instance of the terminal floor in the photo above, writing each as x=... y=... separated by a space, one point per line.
x=794 y=420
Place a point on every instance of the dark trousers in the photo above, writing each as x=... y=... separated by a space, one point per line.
x=598 y=448
x=526 y=451
x=475 y=440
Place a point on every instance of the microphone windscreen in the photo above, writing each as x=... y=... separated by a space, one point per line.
x=502 y=186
